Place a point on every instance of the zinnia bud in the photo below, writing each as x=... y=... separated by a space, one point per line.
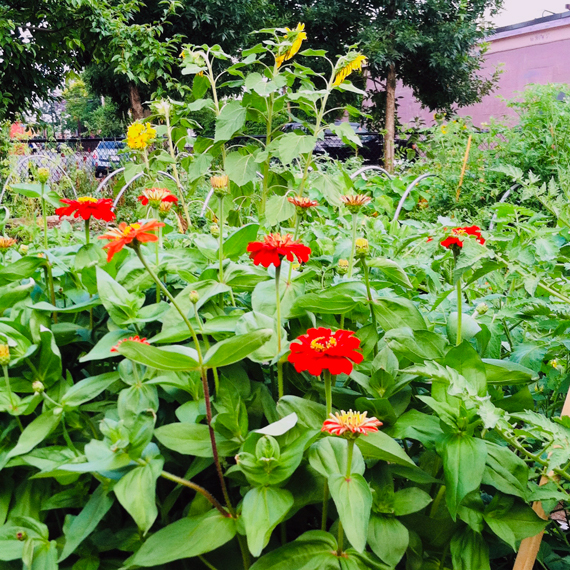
x=21 y=536
x=4 y=355
x=342 y=268
x=43 y=175
x=164 y=209
x=194 y=297
x=38 y=387
x=482 y=308
x=215 y=230
x=220 y=184
x=23 y=249
x=362 y=247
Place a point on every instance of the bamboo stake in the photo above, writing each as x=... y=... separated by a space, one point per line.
x=463 y=168
x=530 y=546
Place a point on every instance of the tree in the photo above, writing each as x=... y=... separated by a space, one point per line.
x=436 y=47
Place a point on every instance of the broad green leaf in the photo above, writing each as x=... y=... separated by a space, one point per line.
x=463 y=465
x=236 y=244
x=186 y=538
x=393 y=313
x=391 y=270
x=468 y=363
x=388 y=538
x=278 y=209
x=121 y=305
x=102 y=349
x=236 y=348
x=378 y=445
x=78 y=308
x=329 y=456
x=136 y=492
x=14 y=293
x=263 y=509
x=353 y=500
x=469 y=327
x=167 y=358
x=410 y=500
x=20 y=269
x=35 y=432
x=241 y=167
x=505 y=372
x=309 y=413
x=50 y=365
x=345 y=131
x=254 y=321
x=505 y=471
x=86 y=521
x=313 y=550
x=469 y=551
x=339 y=299
x=193 y=439
x=230 y=120
x=292 y=145
x=87 y=389
x=530 y=355
x=417 y=345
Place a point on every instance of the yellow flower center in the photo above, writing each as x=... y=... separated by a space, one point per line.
x=351 y=419
x=85 y=199
x=130 y=228
x=320 y=344
x=361 y=242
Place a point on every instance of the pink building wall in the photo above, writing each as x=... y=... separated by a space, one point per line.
x=534 y=53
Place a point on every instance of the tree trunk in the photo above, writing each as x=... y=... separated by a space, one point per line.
x=136 y=104
x=390 y=124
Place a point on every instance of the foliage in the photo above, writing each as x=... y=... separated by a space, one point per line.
x=150 y=413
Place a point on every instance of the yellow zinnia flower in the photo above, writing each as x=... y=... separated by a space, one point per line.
x=139 y=135
x=351 y=62
x=297 y=35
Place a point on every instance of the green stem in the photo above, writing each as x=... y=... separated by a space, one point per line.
x=459 y=313
x=87 y=230
x=324 y=518
x=297 y=223
x=353 y=248
x=195 y=487
x=280 y=384
x=328 y=390
x=221 y=247
x=244 y=551
x=365 y=270
x=349 y=454
x=340 y=539
x=49 y=277
x=278 y=307
x=8 y=387
x=206 y=563
x=66 y=436
x=44 y=216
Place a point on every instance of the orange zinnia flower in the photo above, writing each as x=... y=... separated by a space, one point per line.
x=129 y=235
x=302 y=202
x=354 y=422
x=133 y=338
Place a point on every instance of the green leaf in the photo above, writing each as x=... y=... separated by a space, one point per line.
x=388 y=538
x=230 y=120
x=193 y=439
x=309 y=413
x=87 y=389
x=86 y=521
x=505 y=372
x=330 y=455
x=136 y=492
x=78 y=308
x=345 y=131
x=514 y=524
x=463 y=465
x=391 y=270
x=469 y=327
x=469 y=551
x=313 y=550
x=263 y=509
x=236 y=348
x=50 y=366
x=467 y=362
x=529 y=355
x=241 y=167
x=35 y=432
x=410 y=500
x=505 y=471
x=278 y=209
x=168 y=358
x=121 y=305
x=21 y=269
x=28 y=190
x=393 y=313
x=417 y=345
x=102 y=349
x=236 y=244
x=353 y=500
x=292 y=145
x=339 y=299
x=186 y=538
x=378 y=445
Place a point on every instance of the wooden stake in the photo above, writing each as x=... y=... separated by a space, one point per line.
x=464 y=168
x=530 y=546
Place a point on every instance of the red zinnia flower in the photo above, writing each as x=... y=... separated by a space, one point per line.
x=302 y=202
x=155 y=196
x=353 y=422
x=320 y=349
x=87 y=207
x=274 y=247
x=126 y=234
x=457 y=233
x=133 y=338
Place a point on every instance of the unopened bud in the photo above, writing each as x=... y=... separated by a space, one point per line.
x=21 y=536
x=4 y=355
x=164 y=208
x=362 y=247
x=43 y=175
x=220 y=184
x=482 y=308
x=215 y=230
x=194 y=297
x=162 y=107
x=342 y=268
x=38 y=387
x=23 y=249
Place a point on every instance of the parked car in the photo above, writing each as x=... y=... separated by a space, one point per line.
x=106 y=157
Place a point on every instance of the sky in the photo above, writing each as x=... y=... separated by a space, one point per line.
x=516 y=11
